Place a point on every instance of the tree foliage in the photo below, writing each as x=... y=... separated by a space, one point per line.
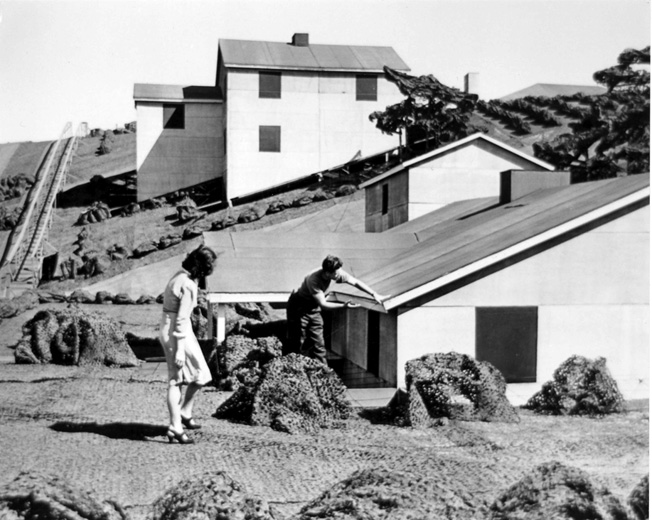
x=613 y=136
x=431 y=109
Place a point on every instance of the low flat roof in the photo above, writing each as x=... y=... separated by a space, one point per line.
x=177 y=93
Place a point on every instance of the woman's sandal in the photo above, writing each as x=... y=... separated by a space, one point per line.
x=181 y=438
x=190 y=423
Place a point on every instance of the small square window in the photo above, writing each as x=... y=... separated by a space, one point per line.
x=174 y=116
x=269 y=138
x=366 y=88
x=269 y=85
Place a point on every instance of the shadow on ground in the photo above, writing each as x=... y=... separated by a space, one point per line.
x=115 y=430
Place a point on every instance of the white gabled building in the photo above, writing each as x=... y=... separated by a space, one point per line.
x=278 y=112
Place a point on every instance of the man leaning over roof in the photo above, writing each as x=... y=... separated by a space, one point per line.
x=305 y=325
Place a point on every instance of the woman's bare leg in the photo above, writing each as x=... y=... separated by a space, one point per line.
x=188 y=400
x=174 y=400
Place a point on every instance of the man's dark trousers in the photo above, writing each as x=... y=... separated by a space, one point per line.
x=305 y=329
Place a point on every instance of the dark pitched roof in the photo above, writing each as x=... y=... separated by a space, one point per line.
x=278 y=55
x=552 y=90
x=453 y=248
x=154 y=92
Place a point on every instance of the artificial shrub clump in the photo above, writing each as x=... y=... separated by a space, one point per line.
x=554 y=490
x=639 y=499
x=454 y=386
x=293 y=394
x=384 y=494
x=74 y=337
x=210 y=496
x=241 y=359
x=580 y=386
x=47 y=497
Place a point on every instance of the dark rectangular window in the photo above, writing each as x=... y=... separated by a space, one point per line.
x=269 y=85
x=269 y=138
x=174 y=116
x=373 y=342
x=506 y=337
x=385 y=202
x=366 y=88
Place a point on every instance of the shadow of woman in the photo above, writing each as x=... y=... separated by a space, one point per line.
x=115 y=430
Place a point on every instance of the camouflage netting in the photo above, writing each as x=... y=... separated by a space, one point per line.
x=557 y=491
x=293 y=394
x=383 y=494
x=74 y=337
x=580 y=386
x=639 y=499
x=32 y=496
x=454 y=386
x=241 y=359
x=210 y=497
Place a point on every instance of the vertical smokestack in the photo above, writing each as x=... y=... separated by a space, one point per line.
x=300 y=39
x=472 y=83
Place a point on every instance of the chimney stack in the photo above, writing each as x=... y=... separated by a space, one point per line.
x=515 y=184
x=300 y=39
x=472 y=83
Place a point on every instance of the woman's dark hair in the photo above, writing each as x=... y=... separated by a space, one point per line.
x=331 y=264
x=200 y=262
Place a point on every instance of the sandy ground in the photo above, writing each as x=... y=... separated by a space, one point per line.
x=104 y=429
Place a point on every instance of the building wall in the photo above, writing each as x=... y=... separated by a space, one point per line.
x=397 y=206
x=322 y=126
x=472 y=171
x=172 y=159
x=592 y=294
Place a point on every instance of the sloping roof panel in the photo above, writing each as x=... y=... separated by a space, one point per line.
x=277 y=55
x=451 y=245
x=151 y=91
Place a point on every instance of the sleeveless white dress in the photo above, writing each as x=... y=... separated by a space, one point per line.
x=179 y=299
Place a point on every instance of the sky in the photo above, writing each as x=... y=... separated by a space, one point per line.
x=77 y=61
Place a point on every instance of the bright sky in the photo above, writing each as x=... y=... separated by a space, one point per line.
x=78 y=60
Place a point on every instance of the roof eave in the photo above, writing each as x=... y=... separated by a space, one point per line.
x=442 y=281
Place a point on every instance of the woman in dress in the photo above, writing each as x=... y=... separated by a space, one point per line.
x=185 y=361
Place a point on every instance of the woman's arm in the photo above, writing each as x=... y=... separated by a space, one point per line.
x=182 y=324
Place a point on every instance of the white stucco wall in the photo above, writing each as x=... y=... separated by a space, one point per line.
x=468 y=172
x=592 y=294
x=172 y=159
x=322 y=125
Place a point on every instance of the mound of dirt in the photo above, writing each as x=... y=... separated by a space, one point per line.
x=74 y=337
x=293 y=394
x=453 y=386
x=384 y=494
x=15 y=306
x=240 y=360
x=639 y=499
x=553 y=490
x=210 y=496
x=31 y=496
x=580 y=386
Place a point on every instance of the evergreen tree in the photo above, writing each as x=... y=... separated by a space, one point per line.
x=613 y=137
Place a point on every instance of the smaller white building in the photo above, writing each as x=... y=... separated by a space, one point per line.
x=468 y=168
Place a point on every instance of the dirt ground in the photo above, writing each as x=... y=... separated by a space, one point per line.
x=104 y=429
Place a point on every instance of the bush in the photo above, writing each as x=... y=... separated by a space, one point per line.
x=454 y=386
x=553 y=490
x=74 y=337
x=52 y=498
x=580 y=386
x=293 y=394
x=210 y=496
